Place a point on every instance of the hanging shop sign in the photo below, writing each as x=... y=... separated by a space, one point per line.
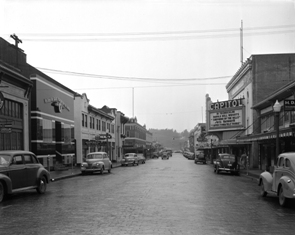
x=227 y=104
x=1 y=100
x=289 y=105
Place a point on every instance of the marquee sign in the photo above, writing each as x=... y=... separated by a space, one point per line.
x=227 y=104
x=226 y=119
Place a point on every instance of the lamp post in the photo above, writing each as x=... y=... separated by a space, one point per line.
x=211 y=153
x=276 y=110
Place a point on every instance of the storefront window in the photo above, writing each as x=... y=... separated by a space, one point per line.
x=66 y=133
x=47 y=130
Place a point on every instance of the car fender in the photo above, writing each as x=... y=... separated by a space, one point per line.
x=267 y=179
x=43 y=172
x=288 y=186
x=7 y=181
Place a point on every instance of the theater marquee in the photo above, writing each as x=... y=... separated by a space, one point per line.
x=227 y=115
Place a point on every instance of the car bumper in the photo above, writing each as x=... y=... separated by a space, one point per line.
x=84 y=169
x=233 y=170
x=128 y=163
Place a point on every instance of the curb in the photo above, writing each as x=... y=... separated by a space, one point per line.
x=72 y=175
x=251 y=176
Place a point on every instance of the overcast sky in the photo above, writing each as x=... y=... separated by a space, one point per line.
x=171 y=53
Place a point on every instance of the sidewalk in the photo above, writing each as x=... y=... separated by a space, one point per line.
x=71 y=172
x=252 y=173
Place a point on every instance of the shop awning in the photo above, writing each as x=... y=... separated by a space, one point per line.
x=265 y=136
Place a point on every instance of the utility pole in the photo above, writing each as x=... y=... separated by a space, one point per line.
x=17 y=41
x=241 y=41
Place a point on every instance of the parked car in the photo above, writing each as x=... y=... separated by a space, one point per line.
x=165 y=155
x=200 y=157
x=96 y=162
x=21 y=170
x=282 y=181
x=129 y=159
x=226 y=162
x=141 y=158
x=190 y=156
x=155 y=155
x=169 y=152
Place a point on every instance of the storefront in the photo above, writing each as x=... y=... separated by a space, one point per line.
x=14 y=109
x=52 y=122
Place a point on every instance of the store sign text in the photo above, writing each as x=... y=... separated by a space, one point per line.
x=58 y=104
x=231 y=118
x=227 y=104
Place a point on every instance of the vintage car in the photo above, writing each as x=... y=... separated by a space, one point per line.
x=282 y=181
x=227 y=163
x=96 y=162
x=165 y=155
x=21 y=170
x=155 y=155
x=140 y=158
x=200 y=157
x=129 y=159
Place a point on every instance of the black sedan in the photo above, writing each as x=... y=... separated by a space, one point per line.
x=227 y=163
x=21 y=170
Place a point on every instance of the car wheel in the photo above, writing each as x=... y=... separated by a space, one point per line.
x=42 y=185
x=263 y=193
x=109 y=170
x=282 y=199
x=101 y=170
x=2 y=192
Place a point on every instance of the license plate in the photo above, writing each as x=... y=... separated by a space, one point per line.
x=229 y=164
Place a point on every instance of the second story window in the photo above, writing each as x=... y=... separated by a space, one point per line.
x=85 y=121
x=103 y=124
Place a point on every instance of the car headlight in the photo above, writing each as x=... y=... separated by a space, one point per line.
x=84 y=164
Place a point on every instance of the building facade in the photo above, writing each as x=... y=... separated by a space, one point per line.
x=52 y=121
x=15 y=91
x=135 y=141
x=119 y=123
x=94 y=129
x=256 y=79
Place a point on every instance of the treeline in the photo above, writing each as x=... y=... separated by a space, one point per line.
x=170 y=138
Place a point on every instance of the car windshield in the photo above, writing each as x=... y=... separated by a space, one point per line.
x=95 y=156
x=4 y=159
x=228 y=157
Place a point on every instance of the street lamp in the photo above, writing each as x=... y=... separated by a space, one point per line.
x=276 y=110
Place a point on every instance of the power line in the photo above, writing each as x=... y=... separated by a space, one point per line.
x=62 y=72
x=152 y=36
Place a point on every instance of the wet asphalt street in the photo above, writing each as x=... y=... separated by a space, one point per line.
x=172 y=196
